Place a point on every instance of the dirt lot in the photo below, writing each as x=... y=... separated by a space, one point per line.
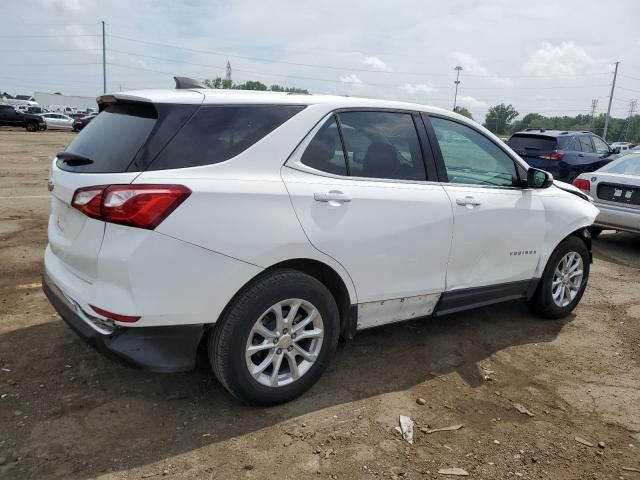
x=65 y=412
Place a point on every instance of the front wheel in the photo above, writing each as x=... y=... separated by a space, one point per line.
x=276 y=338
x=563 y=281
x=31 y=127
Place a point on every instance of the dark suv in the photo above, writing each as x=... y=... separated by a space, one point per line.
x=562 y=153
x=9 y=117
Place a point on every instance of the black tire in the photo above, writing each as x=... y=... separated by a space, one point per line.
x=229 y=338
x=595 y=231
x=542 y=301
x=31 y=127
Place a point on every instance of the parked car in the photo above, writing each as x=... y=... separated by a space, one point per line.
x=263 y=226
x=564 y=154
x=624 y=147
x=10 y=117
x=24 y=100
x=616 y=191
x=62 y=109
x=81 y=122
x=36 y=110
x=58 y=121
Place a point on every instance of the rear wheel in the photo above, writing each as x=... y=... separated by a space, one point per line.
x=276 y=339
x=563 y=281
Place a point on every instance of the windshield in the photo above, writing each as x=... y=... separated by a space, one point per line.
x=627 y=165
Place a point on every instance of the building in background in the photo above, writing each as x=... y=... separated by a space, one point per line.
x=48 y=100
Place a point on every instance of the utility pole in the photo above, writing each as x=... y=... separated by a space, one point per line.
x=228 y=75
x=104 y=61
x=613 y=86
x=594 y=106
x=458 y=69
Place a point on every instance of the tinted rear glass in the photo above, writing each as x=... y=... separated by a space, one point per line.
x=113 y=138
x=217 y=133
x=532 y=142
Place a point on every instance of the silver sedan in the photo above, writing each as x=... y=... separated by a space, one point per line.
x=615 y=189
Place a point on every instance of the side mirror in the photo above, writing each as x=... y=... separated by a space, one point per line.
x=539 y=178
x=615 y=150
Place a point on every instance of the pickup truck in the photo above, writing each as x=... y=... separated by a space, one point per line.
x=9 y=117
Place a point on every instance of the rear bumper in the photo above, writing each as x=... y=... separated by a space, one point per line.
x=159 y=349
x=618 y=217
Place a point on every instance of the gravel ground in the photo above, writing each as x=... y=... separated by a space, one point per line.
x=523 y=389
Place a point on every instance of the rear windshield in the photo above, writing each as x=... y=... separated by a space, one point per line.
x=113 y=138
x=532 y=142
x=217 y=133
x=627 y=165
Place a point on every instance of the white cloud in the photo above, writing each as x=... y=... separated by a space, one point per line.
x=375 y=63
x=82 y=42
x=73 y=6
x=351 y=78
x=470 y=102
x=469 y=63
x=557 y=61
x=502 y=81
x=416 y=88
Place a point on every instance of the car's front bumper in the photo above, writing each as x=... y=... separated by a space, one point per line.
x=159 y=349
x=618 y=217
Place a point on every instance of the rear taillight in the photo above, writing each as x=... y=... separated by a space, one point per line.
x=141 y=206
x=553 y=156
x=115 y=316
x=582 y=184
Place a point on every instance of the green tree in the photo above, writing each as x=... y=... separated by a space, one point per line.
x=220 y=83
x=6 y=95
x=463 y=111
x=499 y=118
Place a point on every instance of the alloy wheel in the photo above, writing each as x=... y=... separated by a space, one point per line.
x=284 y=342
x=567 y=279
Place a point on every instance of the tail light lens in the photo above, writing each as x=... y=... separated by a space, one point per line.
x=582 y=184
x=141 y=206
x=553 y=156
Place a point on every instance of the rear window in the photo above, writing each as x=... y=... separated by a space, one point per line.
x=627 y=165
x=217 y=133
x=113 y=138
x=532 y=142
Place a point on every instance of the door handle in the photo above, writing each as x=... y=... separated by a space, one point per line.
x=467 y=201
x=332 y=196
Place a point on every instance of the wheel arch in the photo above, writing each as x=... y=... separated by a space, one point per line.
x=328 y=276
x=334 y=282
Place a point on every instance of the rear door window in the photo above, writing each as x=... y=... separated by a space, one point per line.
x=382 y=145
x=217 y=133
x=585 y=143
x=532 y=142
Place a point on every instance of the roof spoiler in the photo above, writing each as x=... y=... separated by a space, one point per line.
x=183 y=83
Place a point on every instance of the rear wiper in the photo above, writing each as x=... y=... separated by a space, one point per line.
x=73 y=159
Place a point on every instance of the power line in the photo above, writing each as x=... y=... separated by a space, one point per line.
x=58 y=35
x=331 y=67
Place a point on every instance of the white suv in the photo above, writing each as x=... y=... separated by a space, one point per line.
x=263 y=226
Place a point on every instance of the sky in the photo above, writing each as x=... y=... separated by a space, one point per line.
x=552 y=57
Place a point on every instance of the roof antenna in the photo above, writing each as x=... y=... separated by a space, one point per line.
x=186 y=82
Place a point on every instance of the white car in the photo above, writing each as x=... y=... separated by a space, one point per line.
x=624 y=148
x=57 y=121
x=615 y=189
x=266 y=225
